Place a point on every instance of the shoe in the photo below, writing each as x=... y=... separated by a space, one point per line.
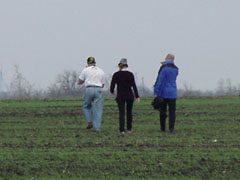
x=162 y=130
x=97 y=131
x=172 y=131
x=129 y=131
x=122 y=133
x=89 y=126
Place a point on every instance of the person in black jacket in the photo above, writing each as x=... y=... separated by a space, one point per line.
x=125 y=82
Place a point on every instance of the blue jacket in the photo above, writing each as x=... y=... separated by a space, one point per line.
x=166 y=85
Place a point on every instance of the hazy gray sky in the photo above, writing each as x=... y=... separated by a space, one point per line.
x=46 y=37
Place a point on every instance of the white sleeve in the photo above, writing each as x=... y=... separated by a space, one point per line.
x=82 y=75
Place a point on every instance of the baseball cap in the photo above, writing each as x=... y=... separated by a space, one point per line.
x=91 y=60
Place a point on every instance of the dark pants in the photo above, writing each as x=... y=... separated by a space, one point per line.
x=171 y=103
x=121 y=107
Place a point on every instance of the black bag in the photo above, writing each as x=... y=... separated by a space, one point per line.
x=157 y=102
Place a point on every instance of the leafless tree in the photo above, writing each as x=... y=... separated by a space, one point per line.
x=187 y=90
x=108 y=79
x=226 y=88
x=220 y=91
x=66 y=85
x=20 y=87
x=229 y=88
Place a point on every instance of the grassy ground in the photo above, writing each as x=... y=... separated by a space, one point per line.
x=47 y=140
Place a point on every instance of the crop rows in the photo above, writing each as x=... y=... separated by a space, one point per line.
x=47 y=139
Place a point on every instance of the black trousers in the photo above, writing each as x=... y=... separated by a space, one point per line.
x=121 y=106
x=171 y=103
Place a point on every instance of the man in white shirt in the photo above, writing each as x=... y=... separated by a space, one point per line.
x=94 y=80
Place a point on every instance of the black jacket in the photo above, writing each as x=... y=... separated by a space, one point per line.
x=125 y=83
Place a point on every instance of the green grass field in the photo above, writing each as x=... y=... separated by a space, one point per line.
x=47 y=140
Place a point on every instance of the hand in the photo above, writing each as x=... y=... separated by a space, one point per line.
x=80 y=82
x=137 y=100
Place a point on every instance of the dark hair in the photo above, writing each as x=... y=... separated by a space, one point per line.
x=121 y=66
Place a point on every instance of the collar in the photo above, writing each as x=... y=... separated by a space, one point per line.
x=168 y=62
x=91 y=66
x=124 y=69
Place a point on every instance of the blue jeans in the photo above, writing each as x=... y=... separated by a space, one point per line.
x=93 y=106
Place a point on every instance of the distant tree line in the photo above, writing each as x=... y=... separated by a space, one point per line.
x=224 y=88
x=66 y=85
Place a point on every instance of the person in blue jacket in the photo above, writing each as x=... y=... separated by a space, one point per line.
x=166 y=87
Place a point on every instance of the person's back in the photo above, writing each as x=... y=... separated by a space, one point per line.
x=94 y=80
x=93 y=75
x=166 y=88
x=125 y=81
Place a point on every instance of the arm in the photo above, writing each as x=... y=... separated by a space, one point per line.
x=113 y=83
x=81 y=78
x=103 y=80
x=158 y=88
x=135 y=90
